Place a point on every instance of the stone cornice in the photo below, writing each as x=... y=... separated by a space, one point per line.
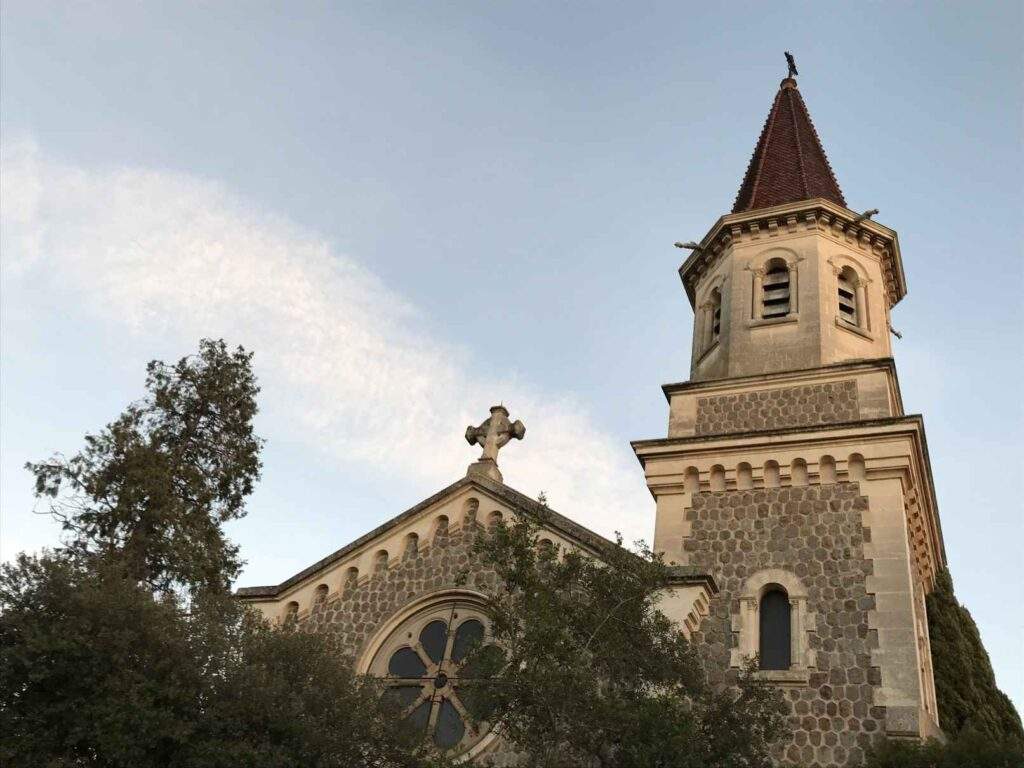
x=886 y=364
x=857 y=432
x=816 y=214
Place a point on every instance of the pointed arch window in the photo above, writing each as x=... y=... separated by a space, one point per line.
x=775 y=290
x=775 y=631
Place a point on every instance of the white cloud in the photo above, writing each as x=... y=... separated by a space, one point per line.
x=339 y=353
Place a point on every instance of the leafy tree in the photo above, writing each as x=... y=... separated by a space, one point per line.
x=97 y=671
x=125 y=649
x=965 y=684
x=158 y=483
x=592 y=673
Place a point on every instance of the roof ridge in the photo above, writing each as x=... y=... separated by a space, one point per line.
x=799 y=150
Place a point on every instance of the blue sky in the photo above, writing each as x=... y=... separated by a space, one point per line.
x=412 y=211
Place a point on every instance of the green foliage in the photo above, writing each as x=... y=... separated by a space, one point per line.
x=965 y=685
x=95 y=670
x=157 y=484
x=593 y=674
x=970 y=750
x=125 y=649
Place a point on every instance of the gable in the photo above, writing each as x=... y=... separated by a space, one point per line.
x=446 y=512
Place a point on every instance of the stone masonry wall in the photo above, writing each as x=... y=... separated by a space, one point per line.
x=804 y=405
x=359 y=611
x=816 y=533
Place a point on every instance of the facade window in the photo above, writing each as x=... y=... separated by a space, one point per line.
x=848 y=309
x=773 y=623
x=775 y=630
x=425 y=663
x=775 y=293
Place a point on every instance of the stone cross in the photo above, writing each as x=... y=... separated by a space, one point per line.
x=492 y=435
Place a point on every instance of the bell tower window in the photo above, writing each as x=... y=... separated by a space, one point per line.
x=775 y=629
x=848 y=309
x=775 y=300
x=716 y=315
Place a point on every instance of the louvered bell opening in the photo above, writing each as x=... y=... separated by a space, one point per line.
x=716 y=323
x=847 y=301
x=775 y=293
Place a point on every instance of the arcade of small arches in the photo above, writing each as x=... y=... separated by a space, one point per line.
x=773 y=475
x=408 y=546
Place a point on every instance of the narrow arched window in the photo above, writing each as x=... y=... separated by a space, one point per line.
x=848 y=309
x=716 y=315
x=775 y=290
x=775 y=629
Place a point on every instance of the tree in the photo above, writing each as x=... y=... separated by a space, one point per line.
x=591 y=673
x=158 y=483
x=965 y=684
x=96 y=671
x=969 y=750
x=125 y=649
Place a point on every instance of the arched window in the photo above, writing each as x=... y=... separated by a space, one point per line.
x=380 y=561
x=494 y=520
x=716 y=315
x=320 y=596
x=775 y=290
x=775 y=629
x=849 y=311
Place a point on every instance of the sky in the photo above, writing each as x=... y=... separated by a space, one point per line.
x=413 y=211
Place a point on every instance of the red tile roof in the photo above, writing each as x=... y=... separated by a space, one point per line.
x=789 y=163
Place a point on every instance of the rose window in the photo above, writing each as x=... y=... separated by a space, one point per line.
x=424 y=663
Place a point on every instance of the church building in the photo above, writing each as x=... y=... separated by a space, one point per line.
x=791 y=489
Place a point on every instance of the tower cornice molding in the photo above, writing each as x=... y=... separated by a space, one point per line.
x=766 y=224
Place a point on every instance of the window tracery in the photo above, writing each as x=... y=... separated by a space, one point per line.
x=424 y=662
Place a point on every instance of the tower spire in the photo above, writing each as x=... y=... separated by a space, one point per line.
x=789 y=163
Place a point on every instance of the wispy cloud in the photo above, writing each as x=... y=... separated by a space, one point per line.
x=340 y=353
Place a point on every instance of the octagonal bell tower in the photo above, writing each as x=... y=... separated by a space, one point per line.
x=791 y=278
x=791 y=472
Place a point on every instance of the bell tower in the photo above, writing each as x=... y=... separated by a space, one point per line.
x=790 y=471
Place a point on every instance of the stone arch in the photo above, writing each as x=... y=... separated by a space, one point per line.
x=802 y=621
x=771 y=474
x=412 y=545
x=774 y=283
x=351 y=578
x=494 y=519
x=470 y=508
x=691 y=480
x=380 y=561
x=850 y=290
x=744 y=476
x=855 y=467
x=440 y=527
x=826 y=470
x=320 y=594
x=291 y=611
x=798 y=472
x=717 y=479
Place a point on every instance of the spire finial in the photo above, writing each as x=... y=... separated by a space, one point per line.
x=791 y=63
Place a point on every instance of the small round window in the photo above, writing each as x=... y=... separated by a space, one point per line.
x=424 y=664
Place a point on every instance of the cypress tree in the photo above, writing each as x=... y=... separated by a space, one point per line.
x=965 y=685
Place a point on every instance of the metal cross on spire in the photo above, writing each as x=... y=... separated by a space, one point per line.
x=492 y=436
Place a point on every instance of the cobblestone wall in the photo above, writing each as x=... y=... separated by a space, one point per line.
x=804 y=405
x=816 y=533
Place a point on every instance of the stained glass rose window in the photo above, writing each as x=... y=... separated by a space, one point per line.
x=424 y=665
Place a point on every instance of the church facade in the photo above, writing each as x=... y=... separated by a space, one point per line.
x=791 y=489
